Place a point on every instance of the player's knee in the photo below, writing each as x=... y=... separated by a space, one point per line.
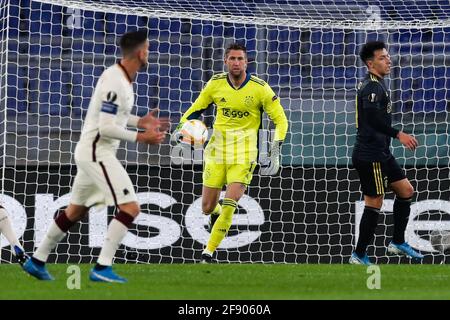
x=131 y=208
x=75 y=213
x=377 y=204
x=408 y=192
x=208 y=207
x=374 y=201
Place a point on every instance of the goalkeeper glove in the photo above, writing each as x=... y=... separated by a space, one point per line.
x=271 y=164
x=176 y=134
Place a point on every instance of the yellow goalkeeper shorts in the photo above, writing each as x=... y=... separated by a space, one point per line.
x=216 y=175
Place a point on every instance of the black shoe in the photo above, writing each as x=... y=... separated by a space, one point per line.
x=21 y=256
x=212 y=221
x=206 y=258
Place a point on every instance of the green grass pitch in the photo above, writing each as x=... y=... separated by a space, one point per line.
x=234 y=282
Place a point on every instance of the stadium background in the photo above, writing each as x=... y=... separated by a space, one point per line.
x=52 y=67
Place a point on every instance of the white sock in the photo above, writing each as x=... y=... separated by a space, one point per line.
x=7 y=230
x=116 y=232
x=53 y=236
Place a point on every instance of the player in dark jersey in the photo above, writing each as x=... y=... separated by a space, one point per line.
x=373 y=160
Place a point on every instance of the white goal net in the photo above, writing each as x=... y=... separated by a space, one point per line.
x=52 y=53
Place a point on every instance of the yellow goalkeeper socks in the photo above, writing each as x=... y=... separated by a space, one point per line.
x=217 y=209
x=222 y=224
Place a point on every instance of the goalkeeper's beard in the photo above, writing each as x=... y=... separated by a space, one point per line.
x=237 y=77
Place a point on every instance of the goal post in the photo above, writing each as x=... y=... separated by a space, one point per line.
x=52 y=53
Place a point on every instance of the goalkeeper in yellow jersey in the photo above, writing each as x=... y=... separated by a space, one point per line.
x=230 y=156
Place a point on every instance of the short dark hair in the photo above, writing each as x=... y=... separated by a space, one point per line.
x=132 y=40
x=235 y=46
x=368 y=50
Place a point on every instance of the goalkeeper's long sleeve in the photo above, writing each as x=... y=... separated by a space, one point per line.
x=274 y=109
x=203 y=102
x=281 y=124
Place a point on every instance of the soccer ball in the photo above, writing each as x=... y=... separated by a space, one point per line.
x=440 y=240
x=194 y=132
